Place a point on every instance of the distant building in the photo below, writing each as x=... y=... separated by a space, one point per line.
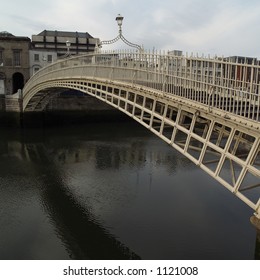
x=175 y=53
x=14 y=62
x=242 y=71
x=56 y=41
x=48 y=46
x=242 y=59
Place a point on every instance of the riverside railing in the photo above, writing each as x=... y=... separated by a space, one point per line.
x=231 y=84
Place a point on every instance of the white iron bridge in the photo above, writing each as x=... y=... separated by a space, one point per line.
x=206 y=108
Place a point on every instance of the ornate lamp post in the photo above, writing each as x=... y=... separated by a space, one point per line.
x=68 y=44
x=119 y=20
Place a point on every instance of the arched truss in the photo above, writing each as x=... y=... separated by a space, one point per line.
x=228 y=152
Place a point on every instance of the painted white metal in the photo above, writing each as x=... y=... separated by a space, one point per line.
x=206 y=108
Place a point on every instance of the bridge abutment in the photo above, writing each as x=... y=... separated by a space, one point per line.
x=68 y=108
x=14 y=102
x=11 y=107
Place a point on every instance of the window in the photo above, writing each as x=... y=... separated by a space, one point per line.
x=49 y=58
x=36 y=69
x=17 y=57
x=36 y=57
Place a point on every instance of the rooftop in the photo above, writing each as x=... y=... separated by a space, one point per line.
x=6 y=34
x=65 y=34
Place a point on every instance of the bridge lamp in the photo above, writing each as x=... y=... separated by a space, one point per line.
x=119 y=20
x=68 y=44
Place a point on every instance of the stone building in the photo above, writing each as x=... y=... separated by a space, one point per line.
x=40 y=59
x=14 y=62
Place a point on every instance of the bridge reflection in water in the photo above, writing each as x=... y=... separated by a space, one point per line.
x=83 y=235
x=66 y=169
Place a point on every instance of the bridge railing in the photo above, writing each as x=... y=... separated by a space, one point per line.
x=230 y=84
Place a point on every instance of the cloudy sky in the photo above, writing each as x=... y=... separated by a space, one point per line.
x=222 y=27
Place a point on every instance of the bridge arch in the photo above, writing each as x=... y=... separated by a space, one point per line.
x=225 y=146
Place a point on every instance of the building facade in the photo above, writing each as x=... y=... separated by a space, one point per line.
x=40 y=59
x=14 y=62
x=48 y=46
x=62 y=42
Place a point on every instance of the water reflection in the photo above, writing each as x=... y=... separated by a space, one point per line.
x=81 y=232
x=257 y=245
x=104 y=193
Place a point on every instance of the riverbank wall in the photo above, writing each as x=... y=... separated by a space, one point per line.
x=61 y=110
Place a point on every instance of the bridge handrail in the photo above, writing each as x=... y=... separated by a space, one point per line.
x=218 y=82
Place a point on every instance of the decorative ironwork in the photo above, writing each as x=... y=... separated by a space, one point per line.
x=119 y=20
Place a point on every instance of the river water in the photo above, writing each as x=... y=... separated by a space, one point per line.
x=112 y=191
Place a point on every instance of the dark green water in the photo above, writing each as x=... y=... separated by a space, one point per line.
x=112 y=191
